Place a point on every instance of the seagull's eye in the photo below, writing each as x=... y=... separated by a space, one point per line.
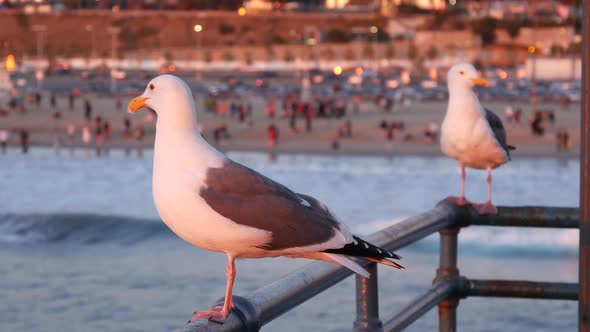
x=152 y=87
x=461 y=72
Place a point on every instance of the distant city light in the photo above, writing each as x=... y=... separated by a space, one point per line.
x=171 y=68
x=242 y=11
x=311 y=41
x=531 y=49
x=337 y=70
x=374 y=29
x=10 y=62
x=198 y=28
x=452 y=2
x=359 y=71
x=502 y=74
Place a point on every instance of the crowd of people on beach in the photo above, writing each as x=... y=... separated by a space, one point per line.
x=293 y=110
x=91 y=130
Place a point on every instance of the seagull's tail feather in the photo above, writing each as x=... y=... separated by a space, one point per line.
x=365 y=250
x=348 y=263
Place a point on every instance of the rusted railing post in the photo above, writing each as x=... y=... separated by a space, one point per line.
x=584 y=255
x=447 y=269
x=367 y=302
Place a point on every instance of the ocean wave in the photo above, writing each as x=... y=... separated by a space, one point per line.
x=78 y=228
x=96 y=229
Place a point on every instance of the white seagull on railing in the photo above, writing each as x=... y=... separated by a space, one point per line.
x=217 y=204
x=472 y=134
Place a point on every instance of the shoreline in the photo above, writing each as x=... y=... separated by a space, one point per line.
x=353 y=150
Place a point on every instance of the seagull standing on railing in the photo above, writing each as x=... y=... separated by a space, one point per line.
x=217 y=204
x=472 y=134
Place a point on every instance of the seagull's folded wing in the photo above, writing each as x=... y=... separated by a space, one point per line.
x=251 y=199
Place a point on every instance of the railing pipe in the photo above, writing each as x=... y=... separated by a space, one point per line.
x=421 y=305
x=521 y=289
x=528 y=216
x=367 y=302
x=271 y=301
x=584 y=255
x=447 y=270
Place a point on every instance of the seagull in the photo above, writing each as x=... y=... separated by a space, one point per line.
x=472 y=134
x=217 y=204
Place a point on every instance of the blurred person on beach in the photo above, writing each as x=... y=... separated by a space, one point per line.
x=87 y=109
x=71 y=99
x=86 y=138
x=270 y=109
x=38 y=98
x=241 y=113
x=139 y=135
x=220 y=131
x=348 y=128
x=53 y=100
x=356 y=104
x=272 y=135
x=564 y=142
x=127 y=135
x=517 y=115
x=537 y=125
x=293 y=117
x=70 y=132
x=308 y=113
x=106 y=129
x=336 y=142
x=390 y=131
x=56 y=115
x=24 y=140
x=56 y=140
x=98 y=139
x=431 y=133
x=4 y=136
x=509 y=113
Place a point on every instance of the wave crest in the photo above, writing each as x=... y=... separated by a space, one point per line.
x=80 y=228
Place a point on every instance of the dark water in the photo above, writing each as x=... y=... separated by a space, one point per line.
x=81 y=248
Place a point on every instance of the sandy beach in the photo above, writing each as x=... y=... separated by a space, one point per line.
x=367 y=136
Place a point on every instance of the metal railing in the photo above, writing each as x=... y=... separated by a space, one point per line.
x=269 y=302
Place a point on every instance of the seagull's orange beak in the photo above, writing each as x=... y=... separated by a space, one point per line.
x=136 y=104
x=480 y=81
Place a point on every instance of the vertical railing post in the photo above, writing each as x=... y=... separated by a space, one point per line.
x=584 y=255
x=367 y=302
x=447 y=269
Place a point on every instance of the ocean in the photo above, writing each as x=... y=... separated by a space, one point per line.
x=82 y=248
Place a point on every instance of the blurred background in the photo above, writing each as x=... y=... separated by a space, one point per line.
x=341 y=99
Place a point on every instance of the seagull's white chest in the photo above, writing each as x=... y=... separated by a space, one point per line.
x=176 y=183
x=467 y=137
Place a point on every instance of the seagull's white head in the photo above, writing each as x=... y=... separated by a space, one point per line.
x=169 y=97
x=464 y=76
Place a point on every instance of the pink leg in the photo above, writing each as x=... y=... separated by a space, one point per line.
x=460 y=201
x=220 y=313
x=487 y=207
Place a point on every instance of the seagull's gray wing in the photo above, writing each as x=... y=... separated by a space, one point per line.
x=498 y=130
x=251 y=199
